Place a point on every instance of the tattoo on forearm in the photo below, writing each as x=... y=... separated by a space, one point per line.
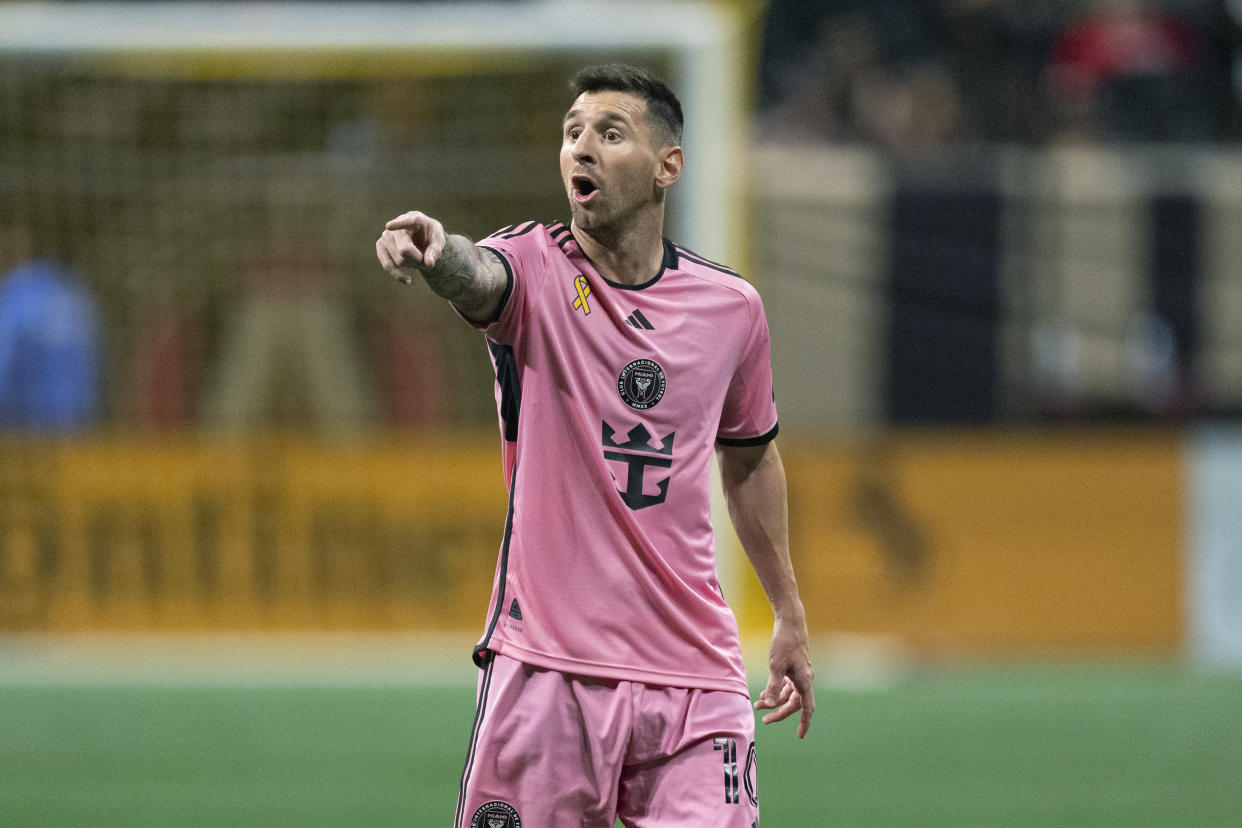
x=458 y=277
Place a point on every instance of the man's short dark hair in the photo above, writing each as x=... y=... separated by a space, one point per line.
x=663 y=109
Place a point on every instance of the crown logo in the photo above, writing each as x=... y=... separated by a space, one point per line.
x=639 y=440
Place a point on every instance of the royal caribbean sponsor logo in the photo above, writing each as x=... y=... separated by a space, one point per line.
x=638 y=453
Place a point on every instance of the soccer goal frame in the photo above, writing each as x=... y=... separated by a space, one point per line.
x=702 y=45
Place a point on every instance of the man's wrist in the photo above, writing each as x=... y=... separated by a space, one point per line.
x=453 y=275
x=789 y=612
x=448 y=263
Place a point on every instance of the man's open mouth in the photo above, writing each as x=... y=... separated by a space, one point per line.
x=583 y=188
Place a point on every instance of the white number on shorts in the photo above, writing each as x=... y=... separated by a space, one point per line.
x=729 y=746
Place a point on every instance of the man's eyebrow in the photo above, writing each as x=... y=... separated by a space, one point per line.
x=606 y=118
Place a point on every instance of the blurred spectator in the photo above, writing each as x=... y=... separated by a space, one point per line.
x=818 y=98
x=1227 y=28
x=910 y=110
x=289 y=355
x=795 y=33
x=49 y=348
x=414 y=393
x=996 y=50
x=910 y=74
x=1128 y=70
x=167 y=364
x=856 y=85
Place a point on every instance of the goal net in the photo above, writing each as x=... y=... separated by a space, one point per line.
x=175 y=154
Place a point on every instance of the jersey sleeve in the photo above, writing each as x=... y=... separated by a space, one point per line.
x=522 y=250
x=748 y=417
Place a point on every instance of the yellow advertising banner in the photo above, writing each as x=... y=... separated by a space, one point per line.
x=991 y=541
x=973 y=542
x=269 y=533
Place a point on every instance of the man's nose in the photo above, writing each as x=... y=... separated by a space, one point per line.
x=584 y=148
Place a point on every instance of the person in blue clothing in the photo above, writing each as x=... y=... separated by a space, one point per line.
x=49 y=349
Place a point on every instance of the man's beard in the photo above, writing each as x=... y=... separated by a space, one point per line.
x=606 y=229
x=605 y=223
x=609 y=222
x=592 y=214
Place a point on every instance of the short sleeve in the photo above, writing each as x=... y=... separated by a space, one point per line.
x=749 y=417
x=521 y=249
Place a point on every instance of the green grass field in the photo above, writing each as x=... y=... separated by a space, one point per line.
x=1019 y=746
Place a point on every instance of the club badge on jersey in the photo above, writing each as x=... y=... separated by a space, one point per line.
x=641 y=384
x=496 y=814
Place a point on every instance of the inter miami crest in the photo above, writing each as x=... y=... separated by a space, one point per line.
x=496 y=815
x=641 y=384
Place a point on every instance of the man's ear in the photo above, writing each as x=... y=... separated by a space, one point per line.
x=671 y=162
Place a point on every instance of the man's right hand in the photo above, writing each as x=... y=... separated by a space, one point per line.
x=474 y=279
x=411 y=243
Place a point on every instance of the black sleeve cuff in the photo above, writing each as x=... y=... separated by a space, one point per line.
x=504 y=299
x=762 y=439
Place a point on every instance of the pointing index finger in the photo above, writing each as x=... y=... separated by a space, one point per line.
x=404 y=221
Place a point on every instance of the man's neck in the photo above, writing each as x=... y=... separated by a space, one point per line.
x=629 y=257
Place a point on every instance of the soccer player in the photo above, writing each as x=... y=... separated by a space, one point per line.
x=612 y=684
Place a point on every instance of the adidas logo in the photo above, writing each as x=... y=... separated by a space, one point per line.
x=637 y=320
x=515 y=612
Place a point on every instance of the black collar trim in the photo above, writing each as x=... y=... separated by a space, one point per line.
x=668 y=263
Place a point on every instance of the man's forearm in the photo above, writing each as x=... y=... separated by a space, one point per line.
x=754 y=486
x=460 y=276
x=758 y=505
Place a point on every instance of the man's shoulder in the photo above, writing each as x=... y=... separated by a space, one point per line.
x=690 y=261
x=529 y=232
x=531 y=247
x=710 y=273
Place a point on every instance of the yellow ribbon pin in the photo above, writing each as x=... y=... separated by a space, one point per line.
x=584 y=290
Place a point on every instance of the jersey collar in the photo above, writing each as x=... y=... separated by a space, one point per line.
x=669 y=262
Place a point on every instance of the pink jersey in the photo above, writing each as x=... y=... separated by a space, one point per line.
x=611 y=400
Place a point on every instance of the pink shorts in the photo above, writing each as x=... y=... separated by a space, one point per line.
x=552 y=750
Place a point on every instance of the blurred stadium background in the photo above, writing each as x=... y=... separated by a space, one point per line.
x=249 y=487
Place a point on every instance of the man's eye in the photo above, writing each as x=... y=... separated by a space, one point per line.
x=573 y=134
x=612 y=135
